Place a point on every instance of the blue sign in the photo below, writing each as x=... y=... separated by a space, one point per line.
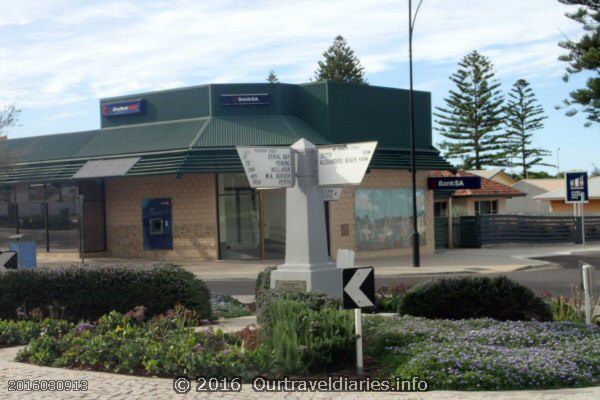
x=123 y=108
x=250 y=99
x=454 y=183
x=577 y=187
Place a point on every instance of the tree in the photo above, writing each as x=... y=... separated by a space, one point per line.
x=8 y=117
x=472 y=114
x=584 y=55
x=340 y=64
x=524 y=116
x=272 y=77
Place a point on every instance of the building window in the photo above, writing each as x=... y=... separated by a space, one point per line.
x=440 y=209
x=486 y=207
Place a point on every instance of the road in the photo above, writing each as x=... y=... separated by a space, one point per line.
x=556 y=281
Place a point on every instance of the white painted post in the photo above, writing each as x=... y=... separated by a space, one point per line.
x=359 y=348
x=345 y=258
x=588 y=284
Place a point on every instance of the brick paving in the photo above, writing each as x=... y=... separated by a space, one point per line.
x=117 y=387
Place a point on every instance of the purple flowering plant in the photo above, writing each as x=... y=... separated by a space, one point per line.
x=486 y=354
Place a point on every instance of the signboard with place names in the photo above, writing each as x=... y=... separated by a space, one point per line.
x=344 y=164
x=331 y=193
x=267 y=167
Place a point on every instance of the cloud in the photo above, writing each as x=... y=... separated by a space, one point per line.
x=62 y=52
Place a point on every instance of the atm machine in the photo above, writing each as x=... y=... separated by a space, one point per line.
x=158 y=224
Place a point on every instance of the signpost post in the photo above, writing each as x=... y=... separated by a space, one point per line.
x=359 y=292
x=306 y=171
x=577 y=194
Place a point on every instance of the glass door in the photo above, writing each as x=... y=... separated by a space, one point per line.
x=273 y=223
x=239 y=224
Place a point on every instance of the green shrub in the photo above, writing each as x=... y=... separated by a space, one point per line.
x=86 y=293
x=475 y=297
x=13 y=333
x=306 y=340
x=264 y=315
x=263 y=280
x=266 y=296
x=389 y=298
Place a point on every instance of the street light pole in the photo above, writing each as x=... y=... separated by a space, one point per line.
x=413 y=163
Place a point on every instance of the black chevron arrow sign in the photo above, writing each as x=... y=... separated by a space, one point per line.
x=359 y=287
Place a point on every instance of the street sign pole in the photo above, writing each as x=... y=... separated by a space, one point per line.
x=358 y=287
x=588 y=285
x=413 y=163
x=359 y=348
x=581 y=205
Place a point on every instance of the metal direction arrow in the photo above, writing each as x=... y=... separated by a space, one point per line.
x=267 y=167
x=354 y=280
x=344 y=164
x=331 y=193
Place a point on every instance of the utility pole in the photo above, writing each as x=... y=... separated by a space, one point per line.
x=413 y=163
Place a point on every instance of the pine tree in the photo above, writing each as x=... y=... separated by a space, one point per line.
x=340 y=64
x=472 y=114
x=524 y=116
x=272 y=77
x=584 y=55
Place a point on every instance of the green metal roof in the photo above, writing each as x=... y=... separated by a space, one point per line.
x=189 y=130
x=257 y=130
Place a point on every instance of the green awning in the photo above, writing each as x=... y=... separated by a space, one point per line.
x=216 y=160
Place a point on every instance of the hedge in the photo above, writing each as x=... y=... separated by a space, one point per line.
x=475 y=297
x=86 y=293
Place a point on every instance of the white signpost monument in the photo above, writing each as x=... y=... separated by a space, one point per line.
x=307 y=266
x=267 y=167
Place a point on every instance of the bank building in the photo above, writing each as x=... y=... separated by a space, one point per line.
x=161 y=178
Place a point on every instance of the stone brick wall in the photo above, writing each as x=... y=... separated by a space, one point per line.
x=194 y=211
x=342 y=217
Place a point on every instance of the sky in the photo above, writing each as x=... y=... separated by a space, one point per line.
x=58 y=57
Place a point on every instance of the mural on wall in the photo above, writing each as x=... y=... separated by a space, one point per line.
x=383 y=218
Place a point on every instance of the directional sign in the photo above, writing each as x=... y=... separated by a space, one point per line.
x=9 y=259
x=267 y=167
x=359 y=287
x=344 y=164
x=577 y=187
x=331 y=193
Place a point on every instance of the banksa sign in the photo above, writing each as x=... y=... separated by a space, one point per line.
x=123 y=108
x=454 y=183
x=250 y=99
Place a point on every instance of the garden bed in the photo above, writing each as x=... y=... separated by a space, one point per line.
x=485 y=354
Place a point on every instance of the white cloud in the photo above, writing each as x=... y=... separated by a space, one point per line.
x=56 y=53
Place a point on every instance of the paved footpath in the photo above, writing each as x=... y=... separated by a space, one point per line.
x=116 y=387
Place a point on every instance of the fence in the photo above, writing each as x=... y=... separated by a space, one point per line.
x=496 y=229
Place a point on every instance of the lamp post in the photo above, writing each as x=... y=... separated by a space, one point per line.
x=413 y=163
